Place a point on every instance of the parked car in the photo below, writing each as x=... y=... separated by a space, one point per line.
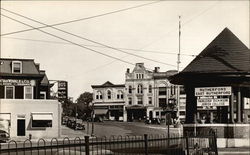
x=79 y=126
x=4 y=136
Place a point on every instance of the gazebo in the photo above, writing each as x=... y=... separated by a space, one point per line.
x=217 y=83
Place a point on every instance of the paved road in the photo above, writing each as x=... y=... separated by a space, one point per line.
x=111 y=128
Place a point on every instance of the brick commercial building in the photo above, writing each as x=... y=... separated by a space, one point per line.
x=25 y=105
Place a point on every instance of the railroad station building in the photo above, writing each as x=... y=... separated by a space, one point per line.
x=217 y=85
x=25 y=105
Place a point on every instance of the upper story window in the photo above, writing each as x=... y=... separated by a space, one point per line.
x=43 y=95
x=109 y=94
x=150 y=89
x=149 y=100
x=28 y=92
x=130 y=101
x=139 y=100
x=172 y=90
x=9 y=92
x=129 y=89
x=120 y=95
x=16 y=67
x=139 y=76
x=162 y=90
x=139 y=89
x=99 y=95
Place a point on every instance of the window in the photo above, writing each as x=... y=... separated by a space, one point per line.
x=109 y=94
x=172 y=90
x=139 y=76
x=99 y=95
x=162 y=90
x=16 y=67
x=150 y=100
x=139 y=100
x=150 y=89
x=42 y=120
x=120 y=95
x=139 y=89
x=9 y=92
x=28 y=92
x=157 y=113
x=130 y=101
x=42 y=95
x=129 y=89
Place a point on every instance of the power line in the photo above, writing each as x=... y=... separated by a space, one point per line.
x=130 y=49
x=69 y=41
x=86 y=18
x=139 y=56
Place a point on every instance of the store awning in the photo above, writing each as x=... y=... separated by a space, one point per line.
x=42 y=116
x=101 y=111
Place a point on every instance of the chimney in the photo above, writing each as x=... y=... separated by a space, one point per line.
x=127 y=70
x=157 y=69
x=37 y=66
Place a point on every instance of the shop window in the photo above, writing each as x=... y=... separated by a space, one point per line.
x=109 y=94
x=139 y=89
x=162 y=90
x=16 y=67
x=139 y=100
x=150 y=89
x=28 y=91
x=150 y=100
x=130 y=101
x=42 y=120
x=2 y=92
x=9 y=92
x=129 y=89
x=43 y=95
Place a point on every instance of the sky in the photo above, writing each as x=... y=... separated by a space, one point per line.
x=149 y=31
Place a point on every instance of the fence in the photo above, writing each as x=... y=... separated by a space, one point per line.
x=147 y=144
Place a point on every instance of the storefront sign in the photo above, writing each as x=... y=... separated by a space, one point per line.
x=15 y=82
x=213 y=102
x=62 y=90
x=213 y=91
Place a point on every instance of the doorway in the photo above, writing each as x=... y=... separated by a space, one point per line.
x=21 y=127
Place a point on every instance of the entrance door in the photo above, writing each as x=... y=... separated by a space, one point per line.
x=150 y=115
x=21 y=127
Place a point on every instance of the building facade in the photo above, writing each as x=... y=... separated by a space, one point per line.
x=149 y=93
x=25 y=105
x=145 y=95
x=108 y=101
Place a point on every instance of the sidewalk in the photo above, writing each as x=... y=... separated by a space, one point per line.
x=234 y=151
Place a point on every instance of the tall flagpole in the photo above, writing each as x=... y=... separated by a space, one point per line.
x=178 y=69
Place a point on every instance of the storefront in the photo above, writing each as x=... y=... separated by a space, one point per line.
x=217 y=84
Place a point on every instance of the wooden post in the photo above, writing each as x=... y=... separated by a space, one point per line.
x=232 y=107
x=146 y=143
x=86 y=144
x=239 y=106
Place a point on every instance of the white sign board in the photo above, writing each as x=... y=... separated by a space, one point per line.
x=213 y=102
x=213 y=91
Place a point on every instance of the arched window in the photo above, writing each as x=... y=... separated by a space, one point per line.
x=139 y=89
x=99 y=95
x=129 y=89
x=120 y=95
x=150 y=89
x=109 y=94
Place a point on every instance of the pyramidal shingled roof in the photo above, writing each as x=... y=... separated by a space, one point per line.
x=226 y=53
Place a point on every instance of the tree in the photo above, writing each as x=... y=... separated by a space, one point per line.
x=83 y=105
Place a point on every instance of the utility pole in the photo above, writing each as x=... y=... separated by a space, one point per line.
x=178 y=69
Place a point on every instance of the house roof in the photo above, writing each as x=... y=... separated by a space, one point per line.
x=29 y=68
x=226 y=53
x=107 y=85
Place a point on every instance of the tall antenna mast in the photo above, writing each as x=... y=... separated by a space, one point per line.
x=178 y=69
x=179 y=53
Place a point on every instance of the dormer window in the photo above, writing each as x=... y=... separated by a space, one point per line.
x=16 y=67
x=139 y=76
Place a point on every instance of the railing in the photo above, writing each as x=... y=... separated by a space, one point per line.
x=147 y=144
